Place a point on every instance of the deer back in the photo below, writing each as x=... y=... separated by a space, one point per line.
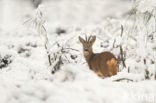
x=103 y=64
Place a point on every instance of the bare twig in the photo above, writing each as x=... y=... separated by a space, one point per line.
x=121 y=30
x=122 y=57
x=114 y=43
x=118 y=80
x=49 y=57
x=121 y=50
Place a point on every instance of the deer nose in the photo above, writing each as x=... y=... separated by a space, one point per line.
x=86 y=49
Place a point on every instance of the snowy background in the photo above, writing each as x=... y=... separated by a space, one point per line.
x=25 y=74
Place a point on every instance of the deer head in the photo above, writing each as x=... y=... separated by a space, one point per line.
x=87 y=44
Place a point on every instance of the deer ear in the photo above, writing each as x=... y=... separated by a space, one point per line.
x=81 y=40
x=93 y=39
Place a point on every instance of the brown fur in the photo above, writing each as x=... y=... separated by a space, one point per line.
x=103 y=64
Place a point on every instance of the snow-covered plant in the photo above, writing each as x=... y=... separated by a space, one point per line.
x=57 y=54
x=37 y=22
x=61 y=54
x=141 y=32
x=5 y=60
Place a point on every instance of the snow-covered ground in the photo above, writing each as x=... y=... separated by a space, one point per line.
x=25 y=76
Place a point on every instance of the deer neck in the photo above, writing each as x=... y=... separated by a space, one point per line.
x=88 y=57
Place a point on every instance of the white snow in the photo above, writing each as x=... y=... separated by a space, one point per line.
x=28 y=78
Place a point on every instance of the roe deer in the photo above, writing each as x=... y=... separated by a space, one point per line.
x=103 y=64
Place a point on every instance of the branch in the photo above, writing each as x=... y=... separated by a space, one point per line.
x=49 y=57
x=121 y=50
x=122 y=57
x=118 y=80
x=121 y=30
